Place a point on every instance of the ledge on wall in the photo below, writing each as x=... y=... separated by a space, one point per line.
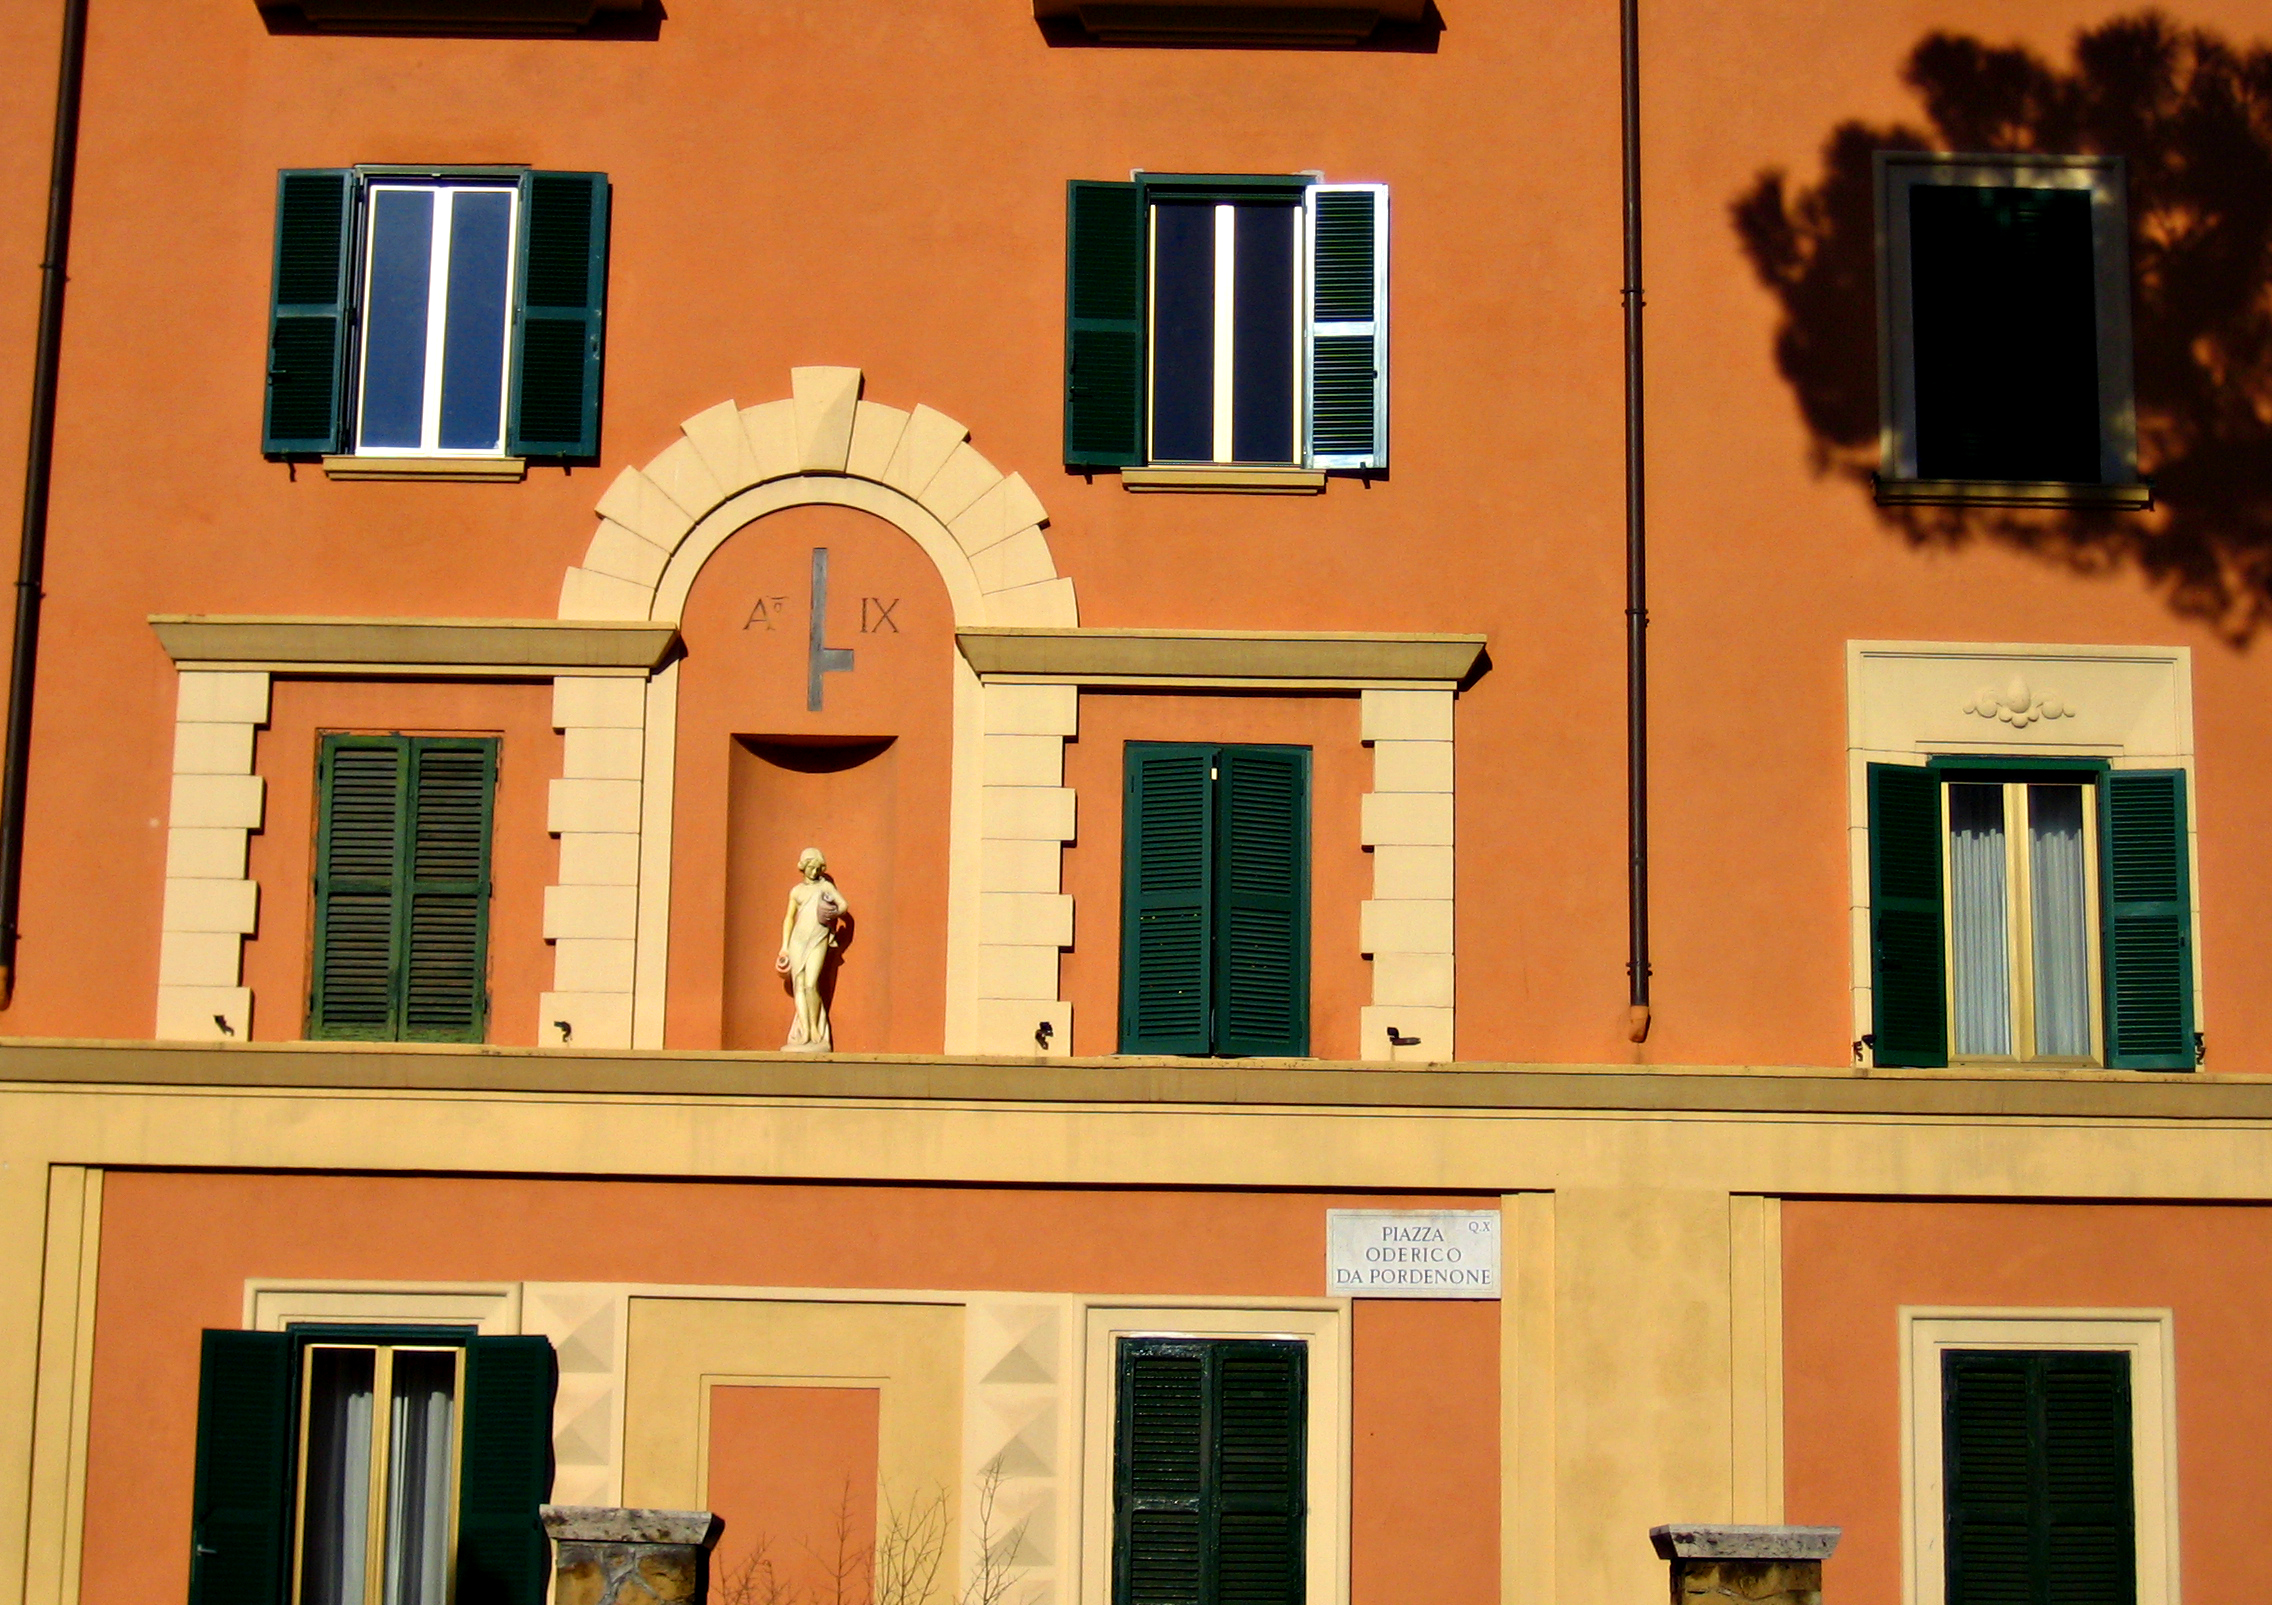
x=2135 y=497
x=454 y=16
x=1215 y=22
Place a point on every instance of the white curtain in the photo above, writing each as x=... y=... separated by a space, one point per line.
x=418 y=1478
x=2060 y=912
x=1978 y=923
x=337 y=1516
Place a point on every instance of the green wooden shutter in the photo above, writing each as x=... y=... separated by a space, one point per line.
x=2147 y=944
x=1262 y=901
x=1104 y=325
x=1209 y=1479
x=1348 y=325
x=309 y=311
x=445 y=993
x=361 y=786
x=505 y=1471
x=1167 y=899
x=240 y=1515
x=2036 y=1462
x=560 y=296
x=1909 y=997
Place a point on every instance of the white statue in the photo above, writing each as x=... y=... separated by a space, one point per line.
x=808 y=932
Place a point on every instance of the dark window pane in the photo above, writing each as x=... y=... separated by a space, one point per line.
x=1183 y=332
x=336 y=1520
x=1262 y=397
x=394 y=325
x=473 y=341
x=2005 y=333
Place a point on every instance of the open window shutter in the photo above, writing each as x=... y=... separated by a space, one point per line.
x=2147 y=905
x=1104 y=325
x=359 y=851
x=1260 y=1493
x=1348 y=325
x=445 y=977
x=1162 y=1547
x=240 y=1520
x=1262 y=921
x=308 y=317
x=560 y=288
x=1166 y=897
x=1909 y=996
x=505 y=1471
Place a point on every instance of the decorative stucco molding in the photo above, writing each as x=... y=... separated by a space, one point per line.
x=469 y=648
x=211 y=905
x=1293 y=660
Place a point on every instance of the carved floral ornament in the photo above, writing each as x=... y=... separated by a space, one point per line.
x=2018 y=704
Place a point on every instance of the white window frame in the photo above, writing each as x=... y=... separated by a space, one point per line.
x=2147 y=1336
x=1322 y=1326
x=1899 y=172
x=445 y=191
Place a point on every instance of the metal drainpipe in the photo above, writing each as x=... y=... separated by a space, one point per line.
x=1636 y=541
x=31 y=561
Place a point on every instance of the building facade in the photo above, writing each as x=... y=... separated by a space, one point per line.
x=1141 y=491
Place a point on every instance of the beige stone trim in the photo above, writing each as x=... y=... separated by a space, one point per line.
x=487 y=648
x=1238 y=481
x=272 y=1304
x=1755 y=1350
x=1407 y=925
x=66 y=1362
x=471 y=470
x=1314 y=658
x=1527 y=1453
x=2149 y=1337
x=210 y=906
x=592 y=914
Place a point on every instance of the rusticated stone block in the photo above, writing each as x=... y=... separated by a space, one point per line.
x=1750 y=1565
x=606 y=1556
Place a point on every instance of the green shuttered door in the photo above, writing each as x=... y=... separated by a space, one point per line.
x=308 y=312
x=1215 y=900
x=402 y=889
x=1909 y=995
x=2147 y=906
x=1104 y=325
x=561 y=280
x=1209 y=1498
x=505 y=1472
x=245 y=1434
x=2036 y=1459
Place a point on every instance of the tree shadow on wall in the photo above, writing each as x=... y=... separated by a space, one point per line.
x=2192 y=115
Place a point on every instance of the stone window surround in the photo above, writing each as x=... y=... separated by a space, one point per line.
x=2148 y=1336
x=1906 y=702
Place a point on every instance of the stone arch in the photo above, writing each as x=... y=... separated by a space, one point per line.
x=980 y=527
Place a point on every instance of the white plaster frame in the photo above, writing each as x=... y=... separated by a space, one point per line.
x=273 y=1305
x=2147 y=1336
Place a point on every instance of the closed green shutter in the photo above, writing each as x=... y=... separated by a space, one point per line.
x=402 y=889
x=561 y=298
x=505 y=1471
x=2036 y=1462
x=1262 y=883
x=1348 y=325
x=1209 y=1495
x=1104 y=325
x=309 y=312
x=1167 y=899
x=2147 y=905
x=240 y=1514
x=1909 y=997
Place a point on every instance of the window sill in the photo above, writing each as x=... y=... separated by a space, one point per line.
x=476 y=470
x=1237 y=481
x=2137 y=497
x=450 y=16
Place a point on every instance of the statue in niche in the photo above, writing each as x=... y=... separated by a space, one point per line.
x=808 y=935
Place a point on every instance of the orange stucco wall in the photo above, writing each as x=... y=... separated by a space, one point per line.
x=792 y=1473
x=882 y=185
x=1849 y=1267
x=176 y=1249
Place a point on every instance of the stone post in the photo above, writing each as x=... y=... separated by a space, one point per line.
x=605 y=1556
x=1751 y=1565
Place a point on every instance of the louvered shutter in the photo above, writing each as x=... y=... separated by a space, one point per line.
x=240 y=1514
x=361 y=792
x=1348 y=325
x=1908 y=994
x=1161 y=1542
x=2148 y=932
x=560 y=297
x=1166 y=899
x=1261 y=926
x=312 y=289
x=2036 y=1461
x=445 y=993
x=505 y=1471
x=1261 y=1401
x=1104 y=325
